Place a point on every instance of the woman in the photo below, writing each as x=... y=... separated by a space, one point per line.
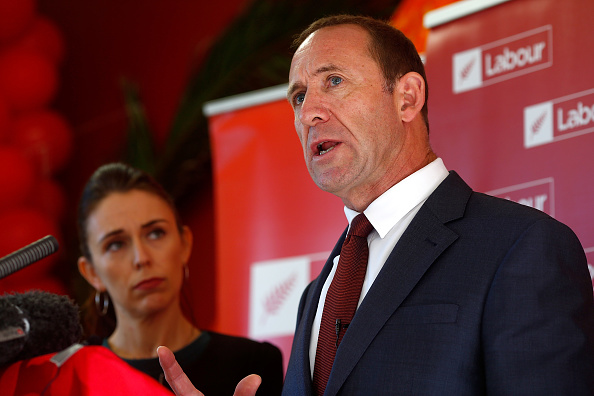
x=135 y=252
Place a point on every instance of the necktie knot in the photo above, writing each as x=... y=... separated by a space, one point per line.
x=360 y=226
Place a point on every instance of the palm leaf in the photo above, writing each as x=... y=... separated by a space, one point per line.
x=253 y=53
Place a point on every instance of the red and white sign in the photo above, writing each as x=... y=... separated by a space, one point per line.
x=557 y=119
x=503 y=59
x=538 y=194
x=274 y=226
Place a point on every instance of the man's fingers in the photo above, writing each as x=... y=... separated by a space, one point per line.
x=248 y=386
x=182 y=386
x=175 y=376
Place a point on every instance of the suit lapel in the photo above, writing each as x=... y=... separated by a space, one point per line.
x=421 y=244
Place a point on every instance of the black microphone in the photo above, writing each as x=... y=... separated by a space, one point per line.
x=28 y=255
x=14 y=329
x=36 y=323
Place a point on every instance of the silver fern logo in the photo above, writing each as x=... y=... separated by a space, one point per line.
x=538 y=124
x=275 y=291
x=278 y=296
x=466 y=69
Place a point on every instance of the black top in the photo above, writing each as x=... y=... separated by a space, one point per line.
x=216 y=362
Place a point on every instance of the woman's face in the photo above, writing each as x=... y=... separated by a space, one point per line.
x=137 y=252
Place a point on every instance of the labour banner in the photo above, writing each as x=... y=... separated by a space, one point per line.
x=274 y=226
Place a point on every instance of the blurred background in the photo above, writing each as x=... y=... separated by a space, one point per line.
x=85 y=83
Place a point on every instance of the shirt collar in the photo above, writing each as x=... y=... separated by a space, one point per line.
x=390 y=207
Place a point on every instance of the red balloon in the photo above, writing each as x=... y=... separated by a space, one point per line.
x=21 y=227
x=4 y=119
x=45 y=136
x=17 y=177
x=42 y=36
x=48 y=197
x=28 y=79
x=15 y=16
x=19 y=284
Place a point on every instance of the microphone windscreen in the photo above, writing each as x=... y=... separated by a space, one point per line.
x=54 y=322
x=13 y=331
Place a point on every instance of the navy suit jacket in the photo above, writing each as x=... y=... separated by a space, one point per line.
x=480 y=296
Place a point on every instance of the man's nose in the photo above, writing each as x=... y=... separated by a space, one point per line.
x=313 y=109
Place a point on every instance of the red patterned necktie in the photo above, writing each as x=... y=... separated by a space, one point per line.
x=342 y=298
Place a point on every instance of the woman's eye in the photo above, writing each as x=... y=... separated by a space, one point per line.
x=114 y=246
x=156 y=233
x=335 y=80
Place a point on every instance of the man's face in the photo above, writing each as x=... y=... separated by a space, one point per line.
x=348 y=124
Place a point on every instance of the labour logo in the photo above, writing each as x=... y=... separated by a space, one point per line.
x=503 y=59
x=562 y=118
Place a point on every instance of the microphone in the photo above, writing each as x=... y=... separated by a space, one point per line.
x=36 y=323
x=14 y=328
x=28 y=255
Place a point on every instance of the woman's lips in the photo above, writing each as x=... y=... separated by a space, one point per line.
x=149 y=284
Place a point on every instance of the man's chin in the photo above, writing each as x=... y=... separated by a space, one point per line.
x=329 y=184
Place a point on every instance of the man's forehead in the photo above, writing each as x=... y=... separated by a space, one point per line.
x=342 y=35
x=329 y=47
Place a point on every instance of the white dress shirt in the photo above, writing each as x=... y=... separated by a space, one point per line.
x=390 y=214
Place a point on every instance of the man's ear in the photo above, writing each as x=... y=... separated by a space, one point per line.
x=411 y=95
x=87 y=270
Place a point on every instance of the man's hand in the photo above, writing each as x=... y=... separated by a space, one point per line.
x=175 y=376
x=182 y=386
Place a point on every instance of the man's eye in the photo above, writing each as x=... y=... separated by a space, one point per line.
x=335 y=80
x=298 y=99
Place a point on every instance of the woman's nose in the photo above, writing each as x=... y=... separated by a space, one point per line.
x=141 y=255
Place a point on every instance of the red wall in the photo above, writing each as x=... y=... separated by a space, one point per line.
x=154 y=44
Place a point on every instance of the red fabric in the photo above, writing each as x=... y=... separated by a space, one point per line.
x=342 y=298
x=91 y=371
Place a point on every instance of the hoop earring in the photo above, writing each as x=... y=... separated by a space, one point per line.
x=186 y=272
x=101 y=307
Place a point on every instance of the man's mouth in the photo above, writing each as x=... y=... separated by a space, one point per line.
x=325 y=147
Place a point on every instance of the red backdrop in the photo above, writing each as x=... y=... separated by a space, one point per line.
x=274 y=227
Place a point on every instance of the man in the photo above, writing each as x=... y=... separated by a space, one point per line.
x=463 y=294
